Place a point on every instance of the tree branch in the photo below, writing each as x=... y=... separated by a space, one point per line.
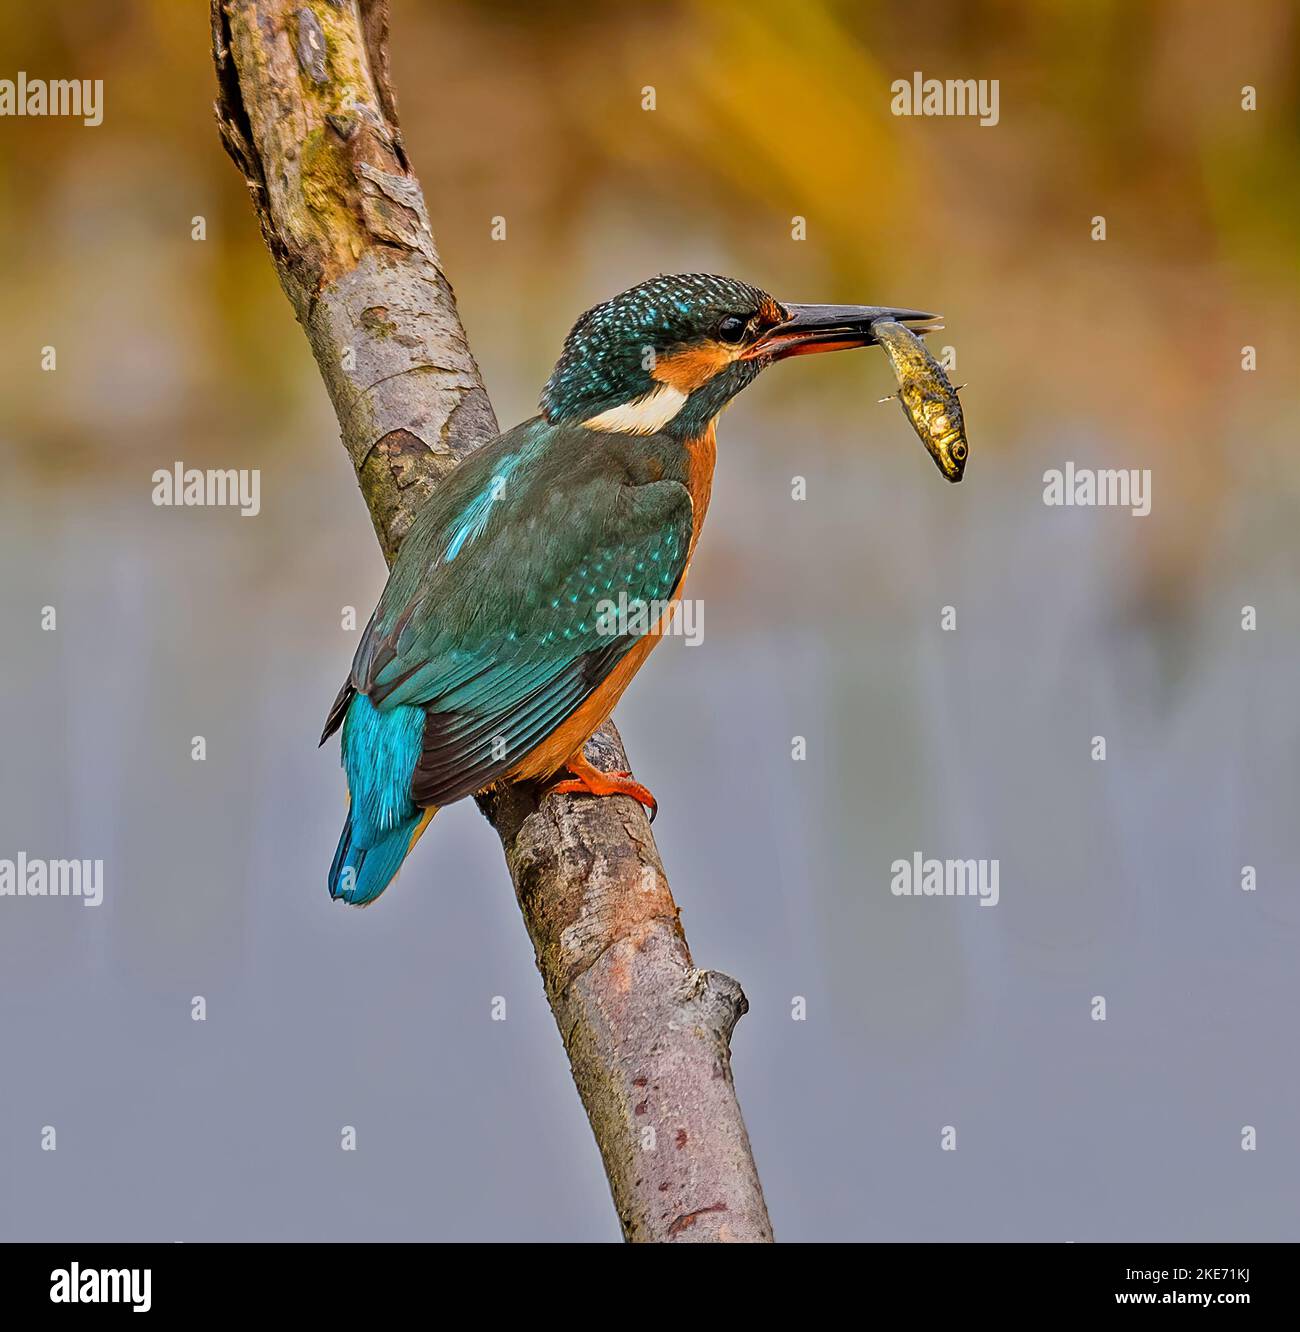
x=306 y=111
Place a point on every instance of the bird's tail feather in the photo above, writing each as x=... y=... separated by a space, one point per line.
x=359 y=874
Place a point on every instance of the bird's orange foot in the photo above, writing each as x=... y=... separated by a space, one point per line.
x=588 y=779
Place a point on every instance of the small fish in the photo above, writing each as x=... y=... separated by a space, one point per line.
x=928 y=400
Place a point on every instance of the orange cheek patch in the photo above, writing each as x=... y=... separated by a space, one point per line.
x=691 y=369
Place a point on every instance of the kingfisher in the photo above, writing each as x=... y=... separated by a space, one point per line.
x=492 y=655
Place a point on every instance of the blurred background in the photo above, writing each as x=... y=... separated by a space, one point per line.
x=1119 y=879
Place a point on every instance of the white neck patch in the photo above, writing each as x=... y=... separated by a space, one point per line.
x=643 y=416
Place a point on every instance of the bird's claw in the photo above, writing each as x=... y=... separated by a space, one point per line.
x=594 y=782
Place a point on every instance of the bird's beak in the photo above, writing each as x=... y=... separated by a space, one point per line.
x=819 y=328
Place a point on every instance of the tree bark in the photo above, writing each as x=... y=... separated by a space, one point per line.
x=306 y=111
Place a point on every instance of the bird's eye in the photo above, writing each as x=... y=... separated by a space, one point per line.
x=732 y=329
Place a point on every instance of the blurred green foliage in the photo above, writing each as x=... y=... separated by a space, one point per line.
x=764 y=112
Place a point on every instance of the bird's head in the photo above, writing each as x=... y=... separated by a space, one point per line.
x=669 y=354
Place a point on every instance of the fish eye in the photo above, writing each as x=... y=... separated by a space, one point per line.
x=732 y=329
x=959 y=451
